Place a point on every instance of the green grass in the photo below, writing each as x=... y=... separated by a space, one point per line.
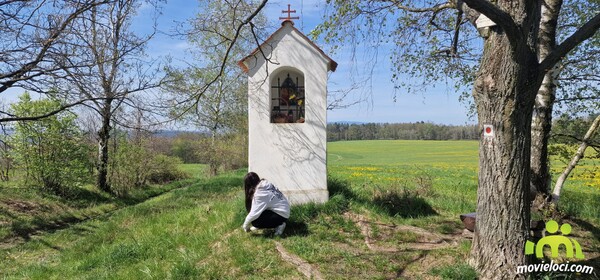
x=194 y=232
x=26 y=210
x=195 y=171
x=455 y=272
x=190 y=233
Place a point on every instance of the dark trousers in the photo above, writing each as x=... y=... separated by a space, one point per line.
x=268 y=219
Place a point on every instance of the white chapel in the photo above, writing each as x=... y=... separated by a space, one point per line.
x=287 y=113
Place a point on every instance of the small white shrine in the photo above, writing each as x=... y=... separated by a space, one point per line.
x=287 y=113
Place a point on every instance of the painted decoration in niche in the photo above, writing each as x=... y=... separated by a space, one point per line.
x=288 y=100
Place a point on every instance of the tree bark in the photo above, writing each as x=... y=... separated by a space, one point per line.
x=504 y=91
x=578 y=156
x=103 y=151
x=541 y=123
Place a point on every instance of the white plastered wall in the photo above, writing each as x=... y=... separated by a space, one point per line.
x=290 y=155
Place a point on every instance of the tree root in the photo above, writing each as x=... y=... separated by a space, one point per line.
x=427 y=240
x=301 y=265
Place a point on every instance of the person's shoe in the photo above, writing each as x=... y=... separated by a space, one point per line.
x=253 y=228
x=279 y=229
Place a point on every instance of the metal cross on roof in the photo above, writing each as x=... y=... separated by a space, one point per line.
x=289 y=14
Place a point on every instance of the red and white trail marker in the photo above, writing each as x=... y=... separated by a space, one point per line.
x=488 y=131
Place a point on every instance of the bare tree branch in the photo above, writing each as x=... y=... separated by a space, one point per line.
x=583 y=33
x=60 y=109
x=435 y=9
x=192 y=101
x=238 y=30
x=8 y=79
x=579 y=97
x=498 y=16
x=585 y=142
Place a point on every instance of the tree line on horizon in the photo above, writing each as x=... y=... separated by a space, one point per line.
x=400 y=131
x=566 y=129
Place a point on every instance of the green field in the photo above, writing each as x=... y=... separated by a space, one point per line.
x=447 y=169
x=404 y=152
x=393 y=213
x=452 y=168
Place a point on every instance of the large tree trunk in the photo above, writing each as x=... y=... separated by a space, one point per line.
x=504 y=92
x=103 y=141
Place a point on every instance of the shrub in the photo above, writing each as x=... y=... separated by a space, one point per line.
x=405 y=203
x=165 y=169
x=224 y=153
x=49 y=149
x=128 y=167
x=134 y=165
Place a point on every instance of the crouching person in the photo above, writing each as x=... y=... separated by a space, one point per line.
x=267 y=207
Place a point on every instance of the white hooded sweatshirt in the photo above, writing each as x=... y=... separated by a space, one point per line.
x=267 y=197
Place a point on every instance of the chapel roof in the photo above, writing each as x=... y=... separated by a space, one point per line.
x=331 y=65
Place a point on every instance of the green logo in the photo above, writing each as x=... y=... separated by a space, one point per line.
x=554 y=241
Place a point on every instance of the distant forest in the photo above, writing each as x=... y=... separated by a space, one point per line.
x=401 y=131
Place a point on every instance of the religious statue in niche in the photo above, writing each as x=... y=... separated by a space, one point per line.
x=288 y=101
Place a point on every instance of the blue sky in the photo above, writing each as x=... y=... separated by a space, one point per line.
x=438 y=105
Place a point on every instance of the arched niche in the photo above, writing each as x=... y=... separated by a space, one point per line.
x=287 y=96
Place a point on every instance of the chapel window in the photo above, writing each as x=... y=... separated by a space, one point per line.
x=287 y=97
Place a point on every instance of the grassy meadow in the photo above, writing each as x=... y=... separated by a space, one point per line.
x=443 y=173
x=393 y=213
x=450 y=168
